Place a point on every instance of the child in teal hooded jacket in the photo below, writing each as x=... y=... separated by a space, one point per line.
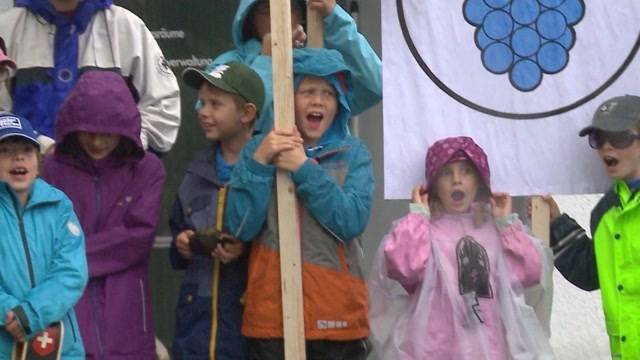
x=334 y=184
x=249 y=30
x=44 y=268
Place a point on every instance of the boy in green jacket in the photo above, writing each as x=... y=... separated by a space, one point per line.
x=611 y=261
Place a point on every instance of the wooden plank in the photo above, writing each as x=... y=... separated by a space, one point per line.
x=540 y=219
x=315 y=29
x=288 y=221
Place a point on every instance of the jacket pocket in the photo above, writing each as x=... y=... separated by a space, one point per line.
x=193 y=323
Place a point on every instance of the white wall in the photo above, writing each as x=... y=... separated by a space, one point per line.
x=5 y=4
x=577 y=324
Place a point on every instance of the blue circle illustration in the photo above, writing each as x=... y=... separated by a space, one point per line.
x=497 y=24
x=497 y=58
x=551 y=24
x=568 y=39
x=552 y=57
x=551 y=3
x=535 y=35
x=497 y=4
x=475 y=11
x=525 y=75
x=525 y=12
x=482 y=40
x=525 y=41
x=573 y=11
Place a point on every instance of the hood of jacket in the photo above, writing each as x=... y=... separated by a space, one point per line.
x=82 y=14
x=100 y=102
x=238 y=26
x=328 y=64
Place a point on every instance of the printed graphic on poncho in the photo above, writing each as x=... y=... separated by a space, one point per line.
x=473 y=268
x=524 y=38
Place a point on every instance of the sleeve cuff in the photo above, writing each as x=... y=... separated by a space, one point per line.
x=561 y=227
x=419 y=209
x=22 y=319
x=507 y=221
x=260 y=169
x=303 y=172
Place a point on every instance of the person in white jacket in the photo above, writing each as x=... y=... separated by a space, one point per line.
x=54 y=41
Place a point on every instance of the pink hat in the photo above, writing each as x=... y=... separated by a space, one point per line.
x=4 y=59
x=451 y=149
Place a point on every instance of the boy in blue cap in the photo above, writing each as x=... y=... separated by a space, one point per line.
x=44 y=268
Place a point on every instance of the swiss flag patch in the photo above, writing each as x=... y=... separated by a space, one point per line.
x=45 y=345
x=46 y=342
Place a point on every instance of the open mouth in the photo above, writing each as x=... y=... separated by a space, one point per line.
x=315 y=117
x=457 y=195
x=610 y=161
x=18 y=171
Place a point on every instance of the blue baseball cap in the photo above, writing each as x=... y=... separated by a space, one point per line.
x=13 y=125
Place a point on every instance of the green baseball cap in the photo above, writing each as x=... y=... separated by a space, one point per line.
x=233 y=77
x=617 y=114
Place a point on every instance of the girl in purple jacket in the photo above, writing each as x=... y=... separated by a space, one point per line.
x=116 y=190
x=449 y=285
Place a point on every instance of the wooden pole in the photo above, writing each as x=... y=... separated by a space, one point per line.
x=288 y=222
x=315 y=29
x=540 y=219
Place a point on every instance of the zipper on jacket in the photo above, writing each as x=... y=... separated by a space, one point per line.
x=144 y=307
x=96 y=181
x=94 y=295
x=73 y=328
x=25 y=245
x=215 y=284
x=94 y=309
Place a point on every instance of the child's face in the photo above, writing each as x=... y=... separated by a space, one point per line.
x=18 y=165
x=98 y=145
x=623 y=163
x=262 y=19
x=316 y=104
x=219 y=116
x=457 y=186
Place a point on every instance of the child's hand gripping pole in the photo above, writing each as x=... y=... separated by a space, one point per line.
x=315 y=24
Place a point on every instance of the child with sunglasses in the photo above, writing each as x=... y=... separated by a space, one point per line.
x=611 y=261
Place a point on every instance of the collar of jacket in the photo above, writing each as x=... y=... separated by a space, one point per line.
x=627 y=198
x=81 y=18
x=40 y=193
x=321 y=152
x=203 y=165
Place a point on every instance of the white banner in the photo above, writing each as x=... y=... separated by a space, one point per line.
x=521 y=77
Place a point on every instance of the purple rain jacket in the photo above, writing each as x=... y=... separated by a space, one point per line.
x=118 y=201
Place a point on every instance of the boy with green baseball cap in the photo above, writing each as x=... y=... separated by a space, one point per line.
x=611 y=261
x=231 y=95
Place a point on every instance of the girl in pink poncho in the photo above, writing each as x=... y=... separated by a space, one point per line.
x=450 y=285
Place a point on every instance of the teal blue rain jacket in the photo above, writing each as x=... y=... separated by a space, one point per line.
x=340 y=33
x=342 y=210
x=54 y=244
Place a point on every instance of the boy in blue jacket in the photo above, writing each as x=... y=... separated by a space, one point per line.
x=44 y=268
x=333 y=179
x=251 y=30
x=209 y=310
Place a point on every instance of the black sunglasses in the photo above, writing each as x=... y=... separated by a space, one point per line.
x=617 y=139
